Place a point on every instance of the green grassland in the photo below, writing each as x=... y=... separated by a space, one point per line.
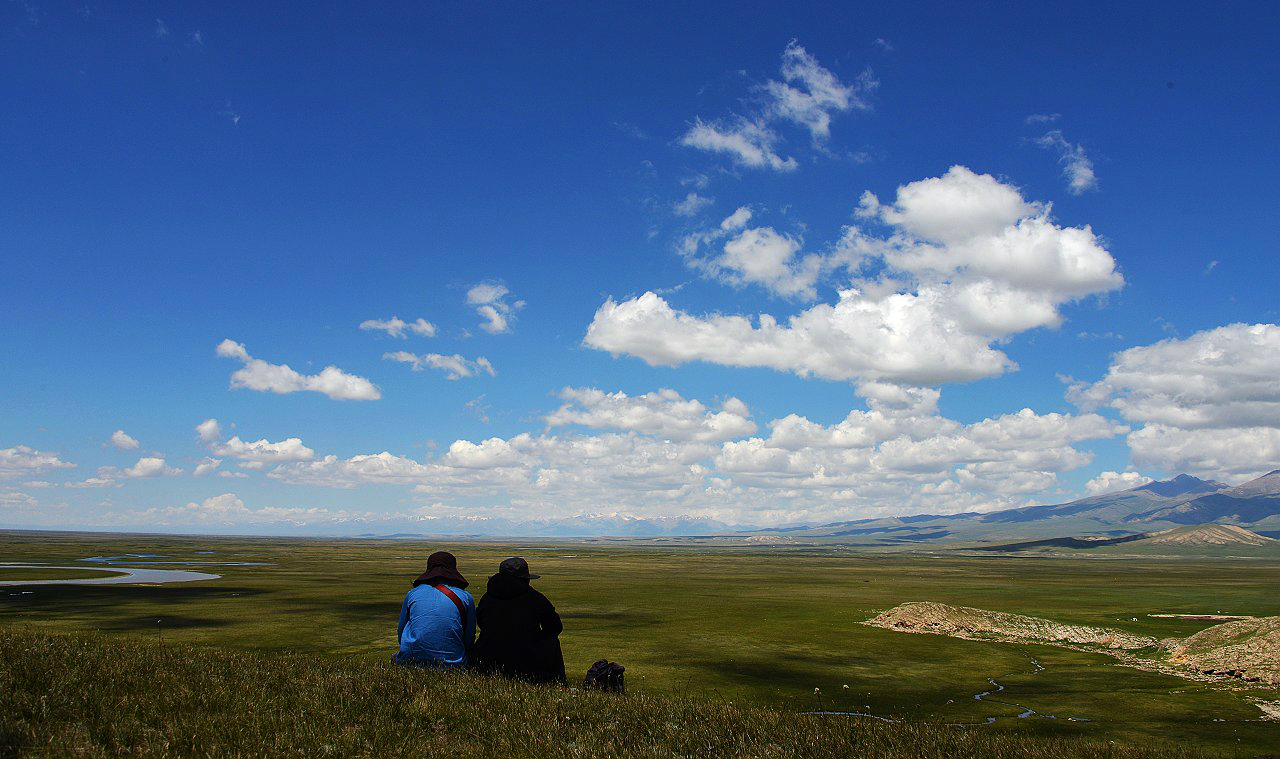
x=96 y=696
x=760 y=626
x=22 y=574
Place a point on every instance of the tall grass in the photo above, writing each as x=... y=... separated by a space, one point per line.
x=93 y=695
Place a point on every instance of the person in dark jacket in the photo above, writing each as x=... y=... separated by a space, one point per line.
x=519 y=628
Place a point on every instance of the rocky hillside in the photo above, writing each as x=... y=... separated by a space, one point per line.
x=1208 y=535
x=1246 y=650
x=980 y=624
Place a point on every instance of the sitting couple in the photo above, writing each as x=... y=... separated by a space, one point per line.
x=518 y=625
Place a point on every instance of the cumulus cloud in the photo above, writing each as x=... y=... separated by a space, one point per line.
x=1076 y=166
x=806 y=96
x=967 y=262
x=664 y=414
x=1210 y=403
x=259 y=375
x=206 y=466
x=692 y=204
x=120 y=439
x=1114 y=482
x=659 y=453
x=261 y=451
x=490 y=301
x=455 y=366
x=147 y=467
x=24 y=461
x=397 y=327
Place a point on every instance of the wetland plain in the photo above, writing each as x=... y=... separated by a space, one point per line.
x=773 y=625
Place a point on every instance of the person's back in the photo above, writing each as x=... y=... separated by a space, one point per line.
x=518 y=628
x=437 y=618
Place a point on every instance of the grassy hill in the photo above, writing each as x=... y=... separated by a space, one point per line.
x=96 y=695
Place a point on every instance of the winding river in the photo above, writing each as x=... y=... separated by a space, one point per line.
x=115 y=576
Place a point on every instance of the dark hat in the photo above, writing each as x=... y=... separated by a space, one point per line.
x=516 y=567
x=441 y=567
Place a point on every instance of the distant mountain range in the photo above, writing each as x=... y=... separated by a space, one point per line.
x=1183 y=500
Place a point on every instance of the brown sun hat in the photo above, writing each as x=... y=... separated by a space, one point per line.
x=442 y=567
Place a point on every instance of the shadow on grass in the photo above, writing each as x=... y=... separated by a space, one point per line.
x=165 y=622
x=108 y=601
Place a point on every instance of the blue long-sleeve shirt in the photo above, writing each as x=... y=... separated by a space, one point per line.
x=431 y=630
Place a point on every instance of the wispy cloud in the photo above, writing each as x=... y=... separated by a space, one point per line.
x=1077 y=168
x=807 y=95
x=692 y=204
x=162 y=29
x=490 y=301
x=455 y=366
x=396 y=327
x=1043 y=118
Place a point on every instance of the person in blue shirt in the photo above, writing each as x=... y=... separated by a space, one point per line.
x=437 y=618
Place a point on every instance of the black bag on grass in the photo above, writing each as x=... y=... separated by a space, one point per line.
x=606 y=676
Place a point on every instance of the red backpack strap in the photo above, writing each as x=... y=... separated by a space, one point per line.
x=462 y=610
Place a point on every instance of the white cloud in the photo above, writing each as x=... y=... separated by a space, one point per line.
x=455 y=366
x=810 y=93
x=763 y=256
x=396 y=327
x=92 y=482
x=16 y=499
x=490 y=301
x=149 y=466
x=162 y=29
x=23 y=461
x=261 y=451
x=1113 y=482
x=209 y=431
x=968 y=262
x=1076 y=166
x=206 y=466
x=736 y=220
x=807 y=96
x=675 y=456
x=1210 y=403
x=692 y=204
x=228 y=510
x=664 y=414
x=751 y=143
x=123 y=441
x=1223 y=378
x=257 y=374
x=1043 y=118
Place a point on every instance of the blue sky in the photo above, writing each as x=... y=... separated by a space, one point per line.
x=759 y=264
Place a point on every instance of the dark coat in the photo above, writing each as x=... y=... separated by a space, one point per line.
x=518 y=629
